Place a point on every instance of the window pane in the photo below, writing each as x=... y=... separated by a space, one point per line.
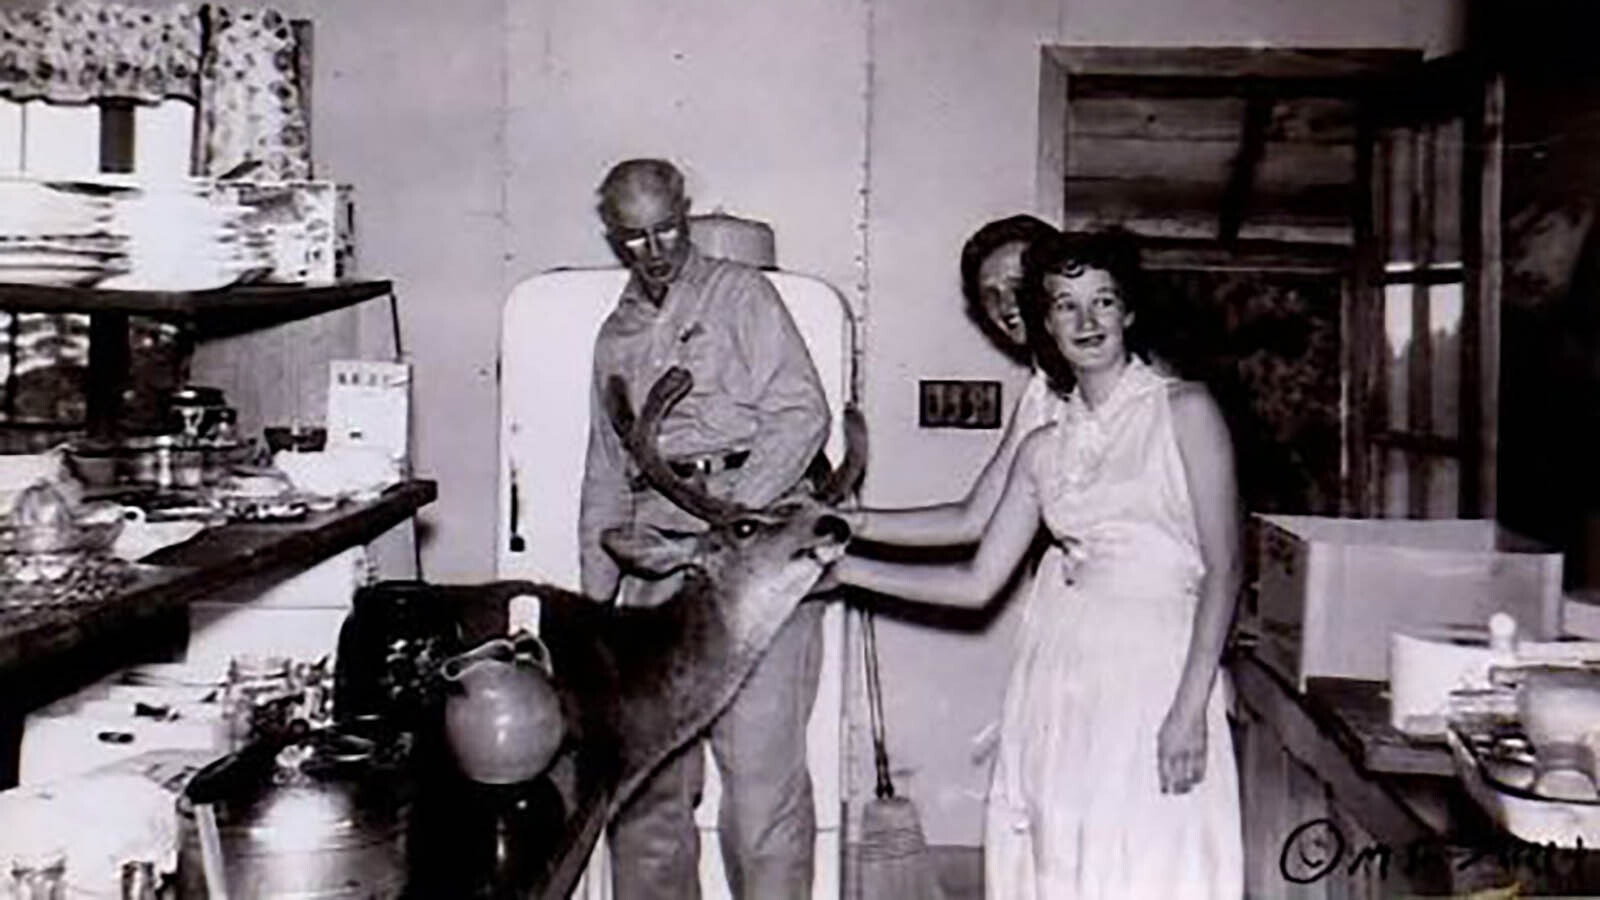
x=1444 y=487
x=1397 y=338
x=1443 y=476
x=61 y=141
x=1447 y=189
x=161 y=139
x=1398 y=178
x=1396 y=485
x=1445 y=323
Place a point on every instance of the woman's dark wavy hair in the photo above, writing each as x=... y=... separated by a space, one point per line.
x=1024 y=229
x=1113 y=251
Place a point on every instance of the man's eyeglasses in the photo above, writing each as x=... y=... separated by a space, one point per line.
x=636 y=241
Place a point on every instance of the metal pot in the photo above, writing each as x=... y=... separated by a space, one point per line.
x=161 y=461
x=312 y=819
x=196 y=412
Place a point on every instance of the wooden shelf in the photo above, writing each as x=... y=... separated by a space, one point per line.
x=215 y=313
x=259 y=303
x=41 y=640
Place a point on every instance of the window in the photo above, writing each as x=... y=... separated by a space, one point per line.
x=1419 y=429
x=1323 y=218
x=1424 y=391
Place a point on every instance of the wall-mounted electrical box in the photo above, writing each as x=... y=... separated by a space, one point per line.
x=958 y=404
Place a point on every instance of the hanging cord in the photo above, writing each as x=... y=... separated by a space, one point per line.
x=880 y=749
x=400 y=357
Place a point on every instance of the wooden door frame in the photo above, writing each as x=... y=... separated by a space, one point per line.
x=1363 y=72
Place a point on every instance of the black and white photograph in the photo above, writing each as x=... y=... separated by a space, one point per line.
x=799 y=449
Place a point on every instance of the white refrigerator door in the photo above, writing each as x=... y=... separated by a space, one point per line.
x=547 y=352
x=546 y=355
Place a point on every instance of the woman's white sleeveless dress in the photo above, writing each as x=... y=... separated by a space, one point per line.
x=1075 y=807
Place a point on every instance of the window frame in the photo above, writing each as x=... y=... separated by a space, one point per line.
x=1452 y=89
x=1392 y=86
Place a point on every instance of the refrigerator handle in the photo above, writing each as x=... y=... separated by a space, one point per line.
x=518 y=543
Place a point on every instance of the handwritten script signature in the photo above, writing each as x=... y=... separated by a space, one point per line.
x=1316 y=849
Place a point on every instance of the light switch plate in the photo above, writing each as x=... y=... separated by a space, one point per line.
x=957 y=403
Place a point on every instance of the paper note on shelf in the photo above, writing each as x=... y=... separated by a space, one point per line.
x=369 y=406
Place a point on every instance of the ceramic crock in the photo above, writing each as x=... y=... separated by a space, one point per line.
x=502 y=716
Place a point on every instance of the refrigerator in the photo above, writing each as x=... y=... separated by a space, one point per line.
x=547 y=340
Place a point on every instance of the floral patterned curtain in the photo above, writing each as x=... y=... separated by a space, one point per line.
x=252 y=104
x=83 y=52
x=240 y=66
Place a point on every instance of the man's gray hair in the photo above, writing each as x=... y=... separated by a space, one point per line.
x=638 y=174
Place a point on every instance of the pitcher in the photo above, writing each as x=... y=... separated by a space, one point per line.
x=503 y=720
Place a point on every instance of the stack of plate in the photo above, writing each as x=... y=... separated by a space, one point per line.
x=52 y=234
x=184 y=236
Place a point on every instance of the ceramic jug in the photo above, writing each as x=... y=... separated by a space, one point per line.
x=503 y=720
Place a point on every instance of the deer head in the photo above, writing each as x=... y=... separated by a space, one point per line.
x=759 y=563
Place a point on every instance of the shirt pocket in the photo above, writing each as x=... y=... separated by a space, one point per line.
x=698 y=350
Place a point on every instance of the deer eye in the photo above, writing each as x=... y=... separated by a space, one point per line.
x=744 y=528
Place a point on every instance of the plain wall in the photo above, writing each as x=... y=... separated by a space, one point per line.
x=872 y=134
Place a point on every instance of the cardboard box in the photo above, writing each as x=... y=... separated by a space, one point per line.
x=310 y=226
x=369 y=405
x=1331 y=590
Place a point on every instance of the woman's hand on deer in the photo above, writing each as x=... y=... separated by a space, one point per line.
x=853 y=514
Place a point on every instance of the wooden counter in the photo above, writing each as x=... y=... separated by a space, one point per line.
x=173 y=576
x=1330 y=791
x=530 y=840
x=45 y=652
x=1356 y=714
x=527 y=841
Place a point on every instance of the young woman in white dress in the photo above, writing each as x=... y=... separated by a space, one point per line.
x=1115 y=776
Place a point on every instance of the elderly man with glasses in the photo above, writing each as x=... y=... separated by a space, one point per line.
x=754 y=421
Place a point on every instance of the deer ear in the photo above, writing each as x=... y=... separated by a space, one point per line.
x=649 y=551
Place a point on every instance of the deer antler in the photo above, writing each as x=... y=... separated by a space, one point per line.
x=640 y=437
x=843 y=479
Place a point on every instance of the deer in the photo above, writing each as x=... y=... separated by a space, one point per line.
x=638 y=683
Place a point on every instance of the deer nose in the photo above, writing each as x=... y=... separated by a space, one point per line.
x=832 y=527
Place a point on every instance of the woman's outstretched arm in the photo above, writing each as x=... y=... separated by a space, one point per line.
x=972 y=582
x=1207 y=452
x=959 y=521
